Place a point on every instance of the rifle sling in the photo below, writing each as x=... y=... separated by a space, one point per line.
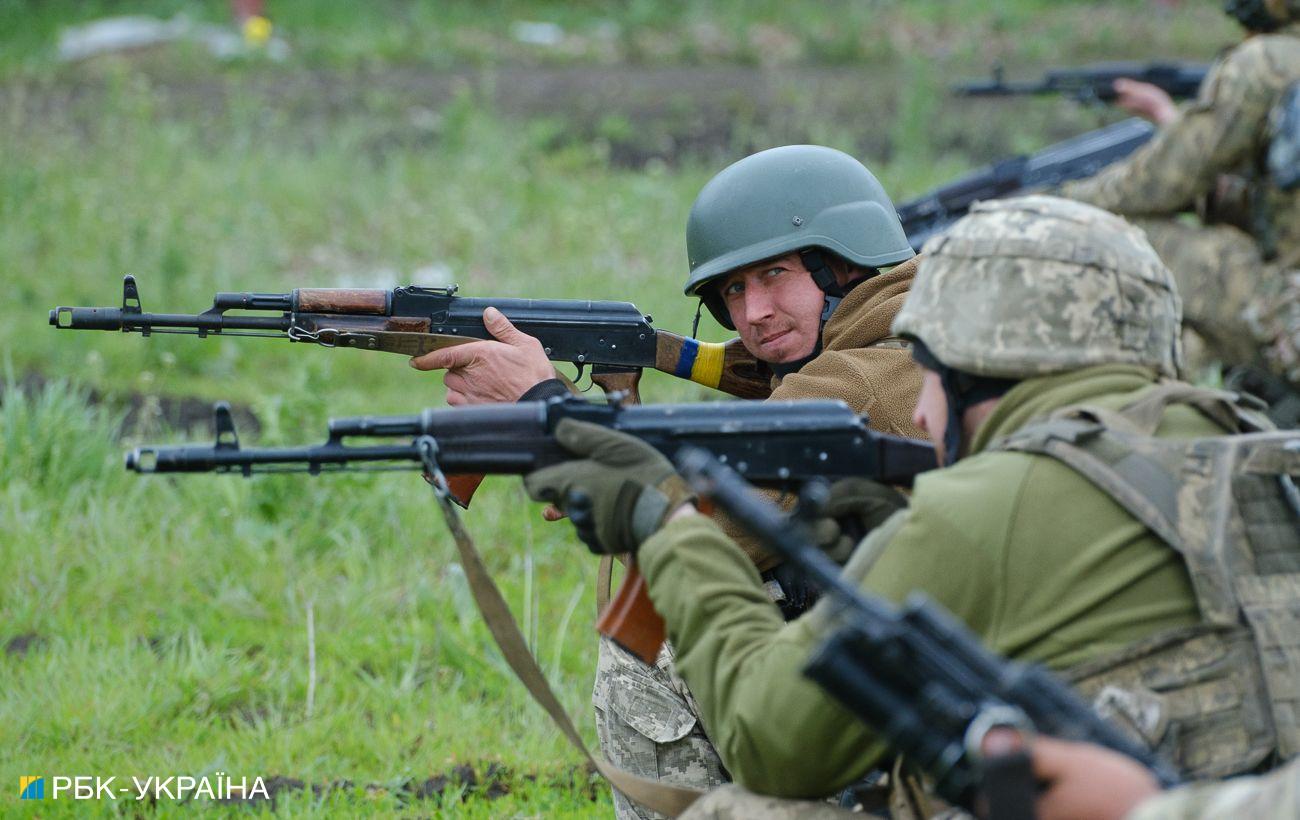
x=661 y=797
x=604 y=583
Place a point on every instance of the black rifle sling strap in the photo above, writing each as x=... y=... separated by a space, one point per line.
x=661 y=797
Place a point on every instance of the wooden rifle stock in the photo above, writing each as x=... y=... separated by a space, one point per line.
x=725 y=366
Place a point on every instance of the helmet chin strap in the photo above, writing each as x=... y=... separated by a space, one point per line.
x=963 y=391
x=956 y=409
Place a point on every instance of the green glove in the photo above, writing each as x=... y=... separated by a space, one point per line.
x=856 y=507
x=618 y=494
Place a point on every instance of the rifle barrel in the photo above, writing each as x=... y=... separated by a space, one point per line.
x=105 y=318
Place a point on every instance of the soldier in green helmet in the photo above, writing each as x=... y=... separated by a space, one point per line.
x=1048 y=333
x=1223 y=157
x=800 y=251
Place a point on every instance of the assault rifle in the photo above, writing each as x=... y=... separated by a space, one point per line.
x=614 y=338
x=1075 y=158
x=780 y=444
x=1096 y=82
x=914 y=673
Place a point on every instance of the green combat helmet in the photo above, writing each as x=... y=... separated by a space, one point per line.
x=787 y=199
x=1033 y=286
x=1263 y=15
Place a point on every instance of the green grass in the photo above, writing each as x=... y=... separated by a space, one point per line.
x=171 y=614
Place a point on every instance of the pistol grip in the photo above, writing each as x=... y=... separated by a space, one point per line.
x=631 y=621
x=627 y=382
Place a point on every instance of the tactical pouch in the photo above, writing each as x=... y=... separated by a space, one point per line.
x=1270 y=606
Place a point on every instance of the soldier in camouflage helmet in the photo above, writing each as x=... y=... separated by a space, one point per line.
x=1239 y=268
x=1027 y=307
x=800 y=251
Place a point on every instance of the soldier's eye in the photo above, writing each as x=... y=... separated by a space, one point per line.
x=770 y=272
x=734 y=289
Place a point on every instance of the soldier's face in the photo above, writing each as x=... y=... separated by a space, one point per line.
x=931 y=413
x=775 y=307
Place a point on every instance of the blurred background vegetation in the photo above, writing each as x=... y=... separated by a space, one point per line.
x=527 y=148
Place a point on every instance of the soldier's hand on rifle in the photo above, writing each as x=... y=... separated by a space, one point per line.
x=1081 y=780
x=856 y=506
x=1150 y=102
x=487 y=371
x=618 y=495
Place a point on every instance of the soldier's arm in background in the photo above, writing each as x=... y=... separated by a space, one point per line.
x=1215 y=134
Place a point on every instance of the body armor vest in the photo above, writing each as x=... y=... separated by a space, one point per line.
x=1222 y=697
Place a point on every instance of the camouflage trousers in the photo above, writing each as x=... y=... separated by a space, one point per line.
x=1275 y=796
x=648 y=724
x=735 y=803
x=1243 y=310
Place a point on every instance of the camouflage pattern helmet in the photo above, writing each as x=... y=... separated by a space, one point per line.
x=783 y=200
x=1263 y=15
x=1037 y=285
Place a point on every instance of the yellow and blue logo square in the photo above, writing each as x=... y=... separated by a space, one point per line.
x=31 y=787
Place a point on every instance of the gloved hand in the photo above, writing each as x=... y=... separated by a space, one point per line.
x=618 y=495
x=853 y=508
x=856 y=507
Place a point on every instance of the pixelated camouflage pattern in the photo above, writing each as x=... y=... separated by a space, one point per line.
x=1038 y=285
x=1223 y=132
x=1271 y=797
x=1273 y=317
x=1219 y=270
x=736 y=803
x=1223 y=697
x=648 y=724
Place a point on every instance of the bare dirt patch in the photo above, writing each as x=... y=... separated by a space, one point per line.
x=639 y=114
x=148 y=412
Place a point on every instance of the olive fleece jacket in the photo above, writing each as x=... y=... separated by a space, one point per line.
x=1038 y=562
x=860 y=364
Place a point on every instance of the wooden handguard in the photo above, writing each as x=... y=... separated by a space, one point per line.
x=631 y=621
x=343 y=300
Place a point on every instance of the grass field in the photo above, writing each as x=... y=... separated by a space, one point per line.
x=151 y=626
